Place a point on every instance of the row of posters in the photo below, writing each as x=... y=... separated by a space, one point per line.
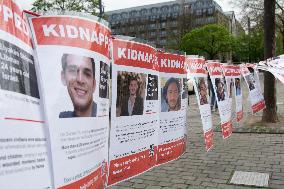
x=57 y=127
x=55 y=103
x=148 y=117
x=224 y=81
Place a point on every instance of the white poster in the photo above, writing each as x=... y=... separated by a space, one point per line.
x=233 y=81
x=196 y=69
x=223 y=100
x=73 y=61
x=23 y=149
x=135 y=110
x=255 y=94
x=172 y=132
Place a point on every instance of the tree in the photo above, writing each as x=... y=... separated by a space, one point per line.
x=254 y=9
x=86 y=6
x=209 y=40
x=270 y=113
x=249 y=47
x=280 y=23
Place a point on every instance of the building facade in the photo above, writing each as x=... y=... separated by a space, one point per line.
x=164 y=24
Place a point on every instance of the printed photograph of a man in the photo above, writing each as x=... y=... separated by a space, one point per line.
x=202 y=91
x=238 y=86
x=230 y=86
x=251 y=82
x=220 y=89
x=171 y=96
x=130 y=93
x=78 y=75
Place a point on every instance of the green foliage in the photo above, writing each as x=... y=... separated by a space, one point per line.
x=209 y=41
x=249 y=48
x=85 y=6
x=279 y=44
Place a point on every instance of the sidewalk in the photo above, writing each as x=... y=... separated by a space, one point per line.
x=252 y=152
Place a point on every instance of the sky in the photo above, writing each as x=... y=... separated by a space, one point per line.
x=120 y=4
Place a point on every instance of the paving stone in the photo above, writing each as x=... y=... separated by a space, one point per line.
x=165 y=184
x=177 y=181
x=179 y=186
x=139 y=186
x=153 y=187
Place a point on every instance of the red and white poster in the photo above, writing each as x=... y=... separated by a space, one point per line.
x=224 y=103
x=73 y=62
x=23 y=149
x=173 y=95
x=233 y=81
x=135 y=110
x=196 y=69
x=255 y=94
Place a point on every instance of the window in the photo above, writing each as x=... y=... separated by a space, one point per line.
x=165 y=9
x=210 y=11
x=176 y=8
x=163 y=41
x=174 y=23
x=152 y=34
x=199 y=12
x=124 y=15
x=144 y=12
x=152 y=26
x=133 y=13
x=154 y=10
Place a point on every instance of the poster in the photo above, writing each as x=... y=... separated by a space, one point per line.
x=233 y=81
x=224 y=103
x=135 y=110
x=23 y=149
x=274 y=66
x=73 y=61
x=197 y=70
x=255 y=95
x=173 y=127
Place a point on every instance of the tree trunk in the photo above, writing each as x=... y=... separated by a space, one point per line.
x=282 y=33
x=270 y=113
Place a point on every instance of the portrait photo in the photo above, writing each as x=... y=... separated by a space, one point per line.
x=131 y=88
x=220 y=89
x=202 y=90
x=251 y=82
x=170 y=94
x=78 y=76
x=152 y=87
x=230 y=87
x=238 y=86
x=104 y=80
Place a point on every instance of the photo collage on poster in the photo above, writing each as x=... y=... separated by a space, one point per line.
x=255 y=94
x=135 y=110
x=74 y=86
x=23 y=143
x=172 y=132
x=233 y=81
x=221 y=92
x=197 y=71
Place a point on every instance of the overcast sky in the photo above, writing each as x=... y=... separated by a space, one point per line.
x=120 y=4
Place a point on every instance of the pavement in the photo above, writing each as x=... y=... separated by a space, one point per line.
x=244 y=151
